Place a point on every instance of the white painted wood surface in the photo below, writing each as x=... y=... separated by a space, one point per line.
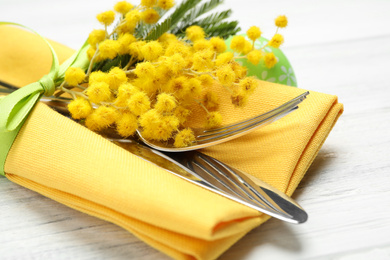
x=336 y=47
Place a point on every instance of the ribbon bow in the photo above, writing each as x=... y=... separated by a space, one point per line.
x=15 y=107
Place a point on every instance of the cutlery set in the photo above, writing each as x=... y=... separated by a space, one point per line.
x=207 y=172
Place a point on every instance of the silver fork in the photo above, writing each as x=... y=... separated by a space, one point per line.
x=204 y=137
x=208 y=137
x=212 y=174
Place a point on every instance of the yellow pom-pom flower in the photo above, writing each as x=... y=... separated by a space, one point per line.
x=224 y=58
x=182 y=114
x=99 y=92
x=276 y=41
x=135 y=49
x=281 y=21
x=80 y=108
x=157 y=127
x=91 y=52
x=96 y=36
x=148 y=3
x=124 y=41
x=145 y=70
x=126 y=125
x=178 y=86
x=132 y=18
x=249 y=84
x=166 y=38
x=165 y=4
x=202 y=44
x=152 y=50
x=238 y=43
x=240 y=98
x=184 y=138
x=270 y=60
x=254 y=56
x=218 y=44
x=147 y=85
x=93 y=122
x=151 y=131
x=214 y=119
x=175 y=63
x=101 y=118
x=116 y=77
x=149 y=118
x=123 y=7
x=194 y=33
x=178 y=47
x=150 y=16
x=194 y=87
x=139 y=103
x=163 y=74
x=165 y=103
x=108 y=49
x=206 y=80
x=253 y=33
x=168 y=125
x=248 y=47
x=106 y=18
x=126 y=27
x=74 y=76
x=211 y=100
x=202 y=60
x=226 y=75
x=98 y=76
x=125 y=91
x=239 y=71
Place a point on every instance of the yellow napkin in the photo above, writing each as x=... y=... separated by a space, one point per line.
x=66 y=162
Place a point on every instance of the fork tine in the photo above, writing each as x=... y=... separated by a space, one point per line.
x=295 y=101
x=237 y=132
x=254 y=122
x=251 y=121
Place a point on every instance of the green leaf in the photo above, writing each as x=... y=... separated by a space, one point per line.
x=139 y=31
x=171 y=20
x=159 y=30
x=223 y=30
x=206 y=7
x=106 y=65
x=182 y=10
x=213 y=24
x=206 y=23
x=214 y=19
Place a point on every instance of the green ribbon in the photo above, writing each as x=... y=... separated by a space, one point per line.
x=15 y=107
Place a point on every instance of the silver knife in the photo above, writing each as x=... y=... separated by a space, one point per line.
x=211 y=174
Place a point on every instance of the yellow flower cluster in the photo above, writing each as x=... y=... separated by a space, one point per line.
x=163 y=80
x=240 y=45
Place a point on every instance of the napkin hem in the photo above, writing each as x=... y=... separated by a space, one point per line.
x=321 y=134
x=156 y=241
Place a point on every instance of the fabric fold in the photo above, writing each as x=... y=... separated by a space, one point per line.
x=62 y=160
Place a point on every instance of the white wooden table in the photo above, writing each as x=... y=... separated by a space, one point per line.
x=336 y=47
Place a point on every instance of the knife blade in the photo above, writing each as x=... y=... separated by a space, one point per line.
x=213 y=175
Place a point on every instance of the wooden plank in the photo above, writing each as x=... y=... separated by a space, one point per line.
x=337 y=47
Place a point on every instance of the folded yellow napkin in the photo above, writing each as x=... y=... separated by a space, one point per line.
x=62 y=160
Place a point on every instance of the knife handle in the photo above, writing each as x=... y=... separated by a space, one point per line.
x=237 y=184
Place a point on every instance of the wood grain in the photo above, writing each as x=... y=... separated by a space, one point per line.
x=336 y=47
